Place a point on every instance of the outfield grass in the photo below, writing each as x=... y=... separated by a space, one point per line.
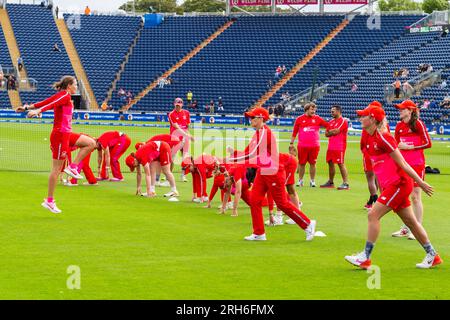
x=129 y=247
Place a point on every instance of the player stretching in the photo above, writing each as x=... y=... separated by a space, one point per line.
x=111 y=145
x=392 y=173
x=307 y=128
x=270 y=177
x=412 y=138
x=62 y=105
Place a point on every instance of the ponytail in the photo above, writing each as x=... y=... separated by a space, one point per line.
x=413 y=121
x=64 y=83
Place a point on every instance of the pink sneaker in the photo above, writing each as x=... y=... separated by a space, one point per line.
x=50 y=206
x=73 y=172
x=115 y=180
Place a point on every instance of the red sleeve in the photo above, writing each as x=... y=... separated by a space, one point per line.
x=188 y=117
x=388 y=142
x=296 y=128
x=362 y=142
x=171 y=118
x=59 y=99
x=344 y=128
x=397 y=132
x=103 y=140
x=323 y=123
x=422 y=130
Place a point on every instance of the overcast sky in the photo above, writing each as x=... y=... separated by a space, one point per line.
x=112 y=5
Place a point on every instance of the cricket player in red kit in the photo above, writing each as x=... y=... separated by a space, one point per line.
x=337 y=144
x=111 y=145
x=393 y=174
x=307 y=127
x=201 y=169
x=218 y=184
x=81 y=140
x=62 y=105
x=150 y=156
x=412 y=137
x=180 y=120
x=271 y=177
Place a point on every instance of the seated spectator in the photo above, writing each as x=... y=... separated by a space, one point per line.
x=56 y=48
x=278 y=72
x=121 y=92
x=161 y=82
x=283 y=70
x=426 y=104
x=220 y=105
x=11 y=84
x=129 y=96
x=443 y=84
x=269 y=84
x=206 y=108
x=194 y=104
x=354 y=87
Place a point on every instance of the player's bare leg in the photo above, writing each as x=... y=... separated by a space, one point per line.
x=301 y=174
x=52 y=182
x=344 y=174
x=373 y=189
x=312 y=175
x=173 y=187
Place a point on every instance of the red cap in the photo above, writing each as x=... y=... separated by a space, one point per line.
x=407 y=104
x=376 y=104
x=178 y=102
x=130 y=162
x=185 y=164
x=258 y=112
x=373 y=111
x=138 y=145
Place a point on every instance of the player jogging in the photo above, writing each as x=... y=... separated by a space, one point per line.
x=392 y=172
x=62 y=105
x=307 y=128
x=270 y=177
x=337 y=144
x=412 y=137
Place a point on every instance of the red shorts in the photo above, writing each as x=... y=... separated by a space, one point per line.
x=165 y=154
x=308 y=155
x=367 y=163
x=335 y=156
x=59 y=144
x=420 y=170
x=397 y=196
x=74 y=138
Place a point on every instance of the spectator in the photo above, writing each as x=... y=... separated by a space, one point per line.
x=426 y=104
x=56 y=48
x=194 y=104
x=87 y=11
x=270 y=110
x=395 y=75
x=206 y=108
x=403 y=73
x=211 y=106
x=443 y=84
x=121 y=92
x=278 y=72
x=189 y=96
x=11 y=84
x=129 y=97
x=283 y=70
x=397 y=88
x=354 y=87
x=2 y=79
x=269 y=84
x=20 y=63
x=57 y=12
x=169 y=81
x=220 y=105
x=161 y=82
x=104 y=106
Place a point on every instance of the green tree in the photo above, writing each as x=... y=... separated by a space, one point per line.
x=152 y=6
x=435 y=5
x=398 y=5
x=203 y=6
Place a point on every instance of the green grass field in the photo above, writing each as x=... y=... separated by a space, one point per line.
x=129 y=247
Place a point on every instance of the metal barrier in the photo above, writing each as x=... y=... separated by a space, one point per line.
x=300 y=99
x=86 y=101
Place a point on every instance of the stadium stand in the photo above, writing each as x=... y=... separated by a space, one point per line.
x=5 y=61
x=238 y=65
x=101 y=57
x=161 y=47
x=36 y=34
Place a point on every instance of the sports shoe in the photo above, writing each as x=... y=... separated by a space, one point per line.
x=184 y=179
x=311 y=230
x=90 y=184
x=50 y=206
x=312 y=184
x=230 y=205
x=172 y=194
x=359 y=260
x=115 y=180
x=290 y=221
x=430 y=261
x=344 y=186
x=73 y=173
x=402 y=233
x=411 y=236
x=299 y=183
x=255 y=237
x=197 y=200
x=205 y=199
x=164 y=184
x=101 y=179
x=67 y=183
x=158 y=184
x=328 y=184
x=276 y=221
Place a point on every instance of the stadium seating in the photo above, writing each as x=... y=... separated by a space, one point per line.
x=5 y=61
x=102 y=43
x=36 y=33
x=239 y=63
x=414 y=49
x=161 y=47
x=347 y=48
